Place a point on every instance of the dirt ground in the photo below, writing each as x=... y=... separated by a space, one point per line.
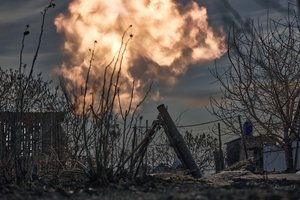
x=225 y=185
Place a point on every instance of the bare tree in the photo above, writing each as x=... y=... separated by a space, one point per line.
x=263 y=80
x=40 y=96
x=22 y=91
x=102 y=138
x=202 y=147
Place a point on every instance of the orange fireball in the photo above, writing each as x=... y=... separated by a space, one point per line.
x=168 y=36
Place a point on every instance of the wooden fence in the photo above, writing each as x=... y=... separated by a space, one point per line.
x=31 y=135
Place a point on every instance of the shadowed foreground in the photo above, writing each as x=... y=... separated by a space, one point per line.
x=225 y=185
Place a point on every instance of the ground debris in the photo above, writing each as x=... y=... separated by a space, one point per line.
x=233 y=185
x=225 y=178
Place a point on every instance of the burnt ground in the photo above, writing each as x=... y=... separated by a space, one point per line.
x=226 y=185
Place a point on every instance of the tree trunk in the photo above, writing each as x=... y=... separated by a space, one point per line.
x=289 y=157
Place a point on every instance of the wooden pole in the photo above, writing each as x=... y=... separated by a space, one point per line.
x=177 y=142
x=243 y=138
x=221 y=158
x=133 y=146
x=146 y=156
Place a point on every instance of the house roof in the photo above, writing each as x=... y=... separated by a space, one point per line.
x=252 y=141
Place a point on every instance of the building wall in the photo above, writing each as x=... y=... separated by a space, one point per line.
x=274 y=157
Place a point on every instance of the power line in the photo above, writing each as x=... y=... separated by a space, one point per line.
x=198 y=124
x=204 y=123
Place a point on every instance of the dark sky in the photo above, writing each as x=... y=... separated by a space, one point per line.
x=191 y=94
